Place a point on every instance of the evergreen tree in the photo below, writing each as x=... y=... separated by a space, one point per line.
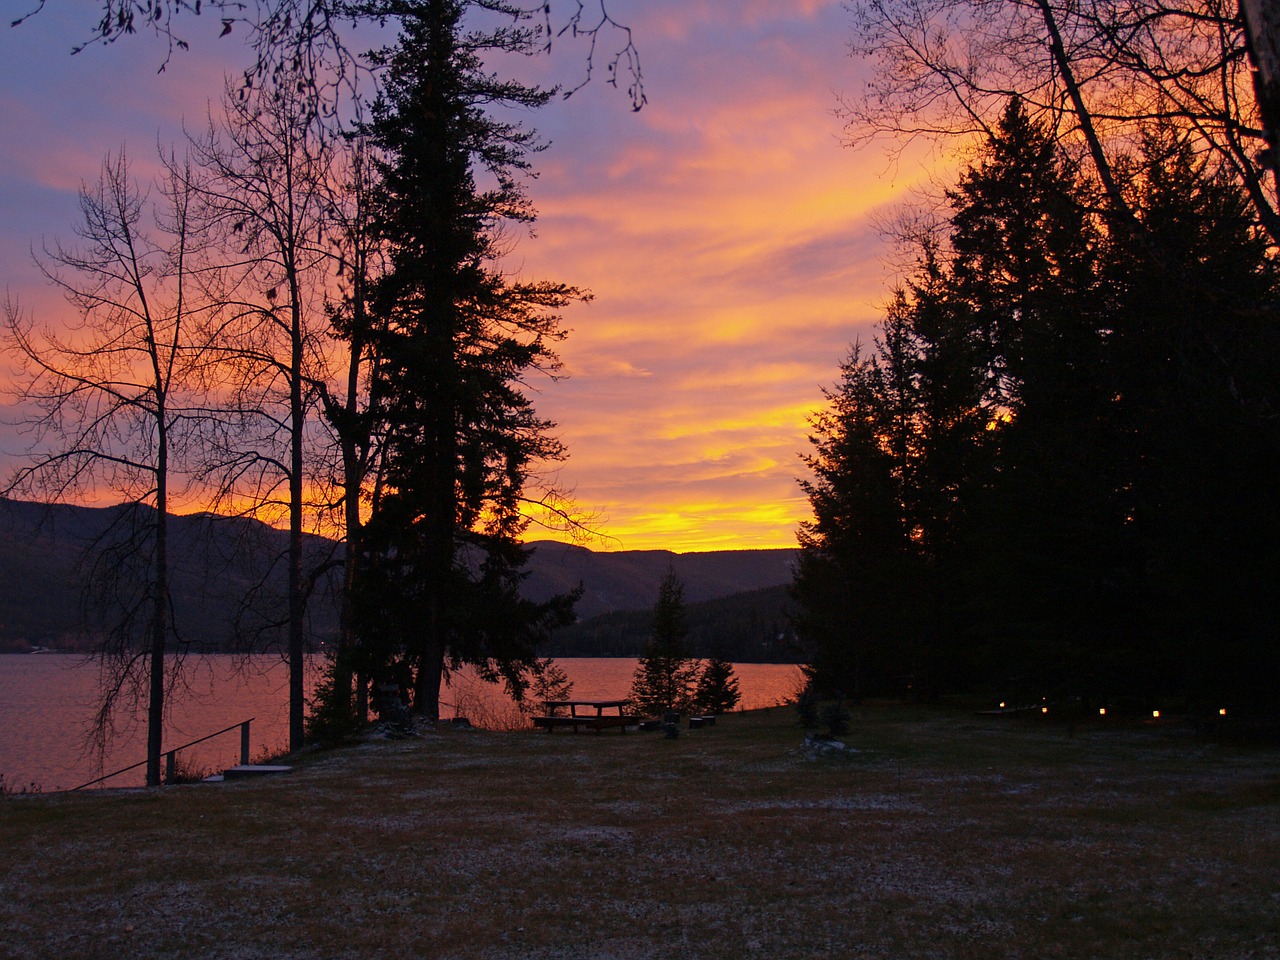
x=717 y=688
x=1193 y=349
x=548 y=681
x=1071 y=426
x=856 y=552
x=902 y=454
x=666 y=675
x=1044 y=550
x=453 y=340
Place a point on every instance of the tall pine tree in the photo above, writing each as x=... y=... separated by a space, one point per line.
x=1044 y=544
x=454 y=339
x=1193 y=346
x=857 y=557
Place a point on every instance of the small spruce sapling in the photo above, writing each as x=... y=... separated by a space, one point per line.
x=665 y=676
x=717 y=689
x=547 y=681
x=835 y=717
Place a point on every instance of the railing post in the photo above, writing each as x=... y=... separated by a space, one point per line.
x=169 y=765
x=244 y=743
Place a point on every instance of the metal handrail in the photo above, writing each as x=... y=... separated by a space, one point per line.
x=170 y=755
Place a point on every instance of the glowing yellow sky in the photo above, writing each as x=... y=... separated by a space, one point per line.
x=729 y=241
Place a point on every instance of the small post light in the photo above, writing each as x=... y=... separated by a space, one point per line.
x=1001 y=704
x=1102 y=711
x=1222 y=712
x=1044 y=709
x=1155 y=714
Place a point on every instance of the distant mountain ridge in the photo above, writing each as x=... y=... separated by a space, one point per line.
x=628 y=579
x=216 y=560
x=754 y=626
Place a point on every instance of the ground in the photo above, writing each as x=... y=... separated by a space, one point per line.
x=937 y=834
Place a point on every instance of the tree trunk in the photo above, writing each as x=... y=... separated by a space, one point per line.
x=426 y=688
x=1084 y=117
x=352 y=444
x=159 y=612
x=1262 y=26
x=297 y=600
x=344 y=657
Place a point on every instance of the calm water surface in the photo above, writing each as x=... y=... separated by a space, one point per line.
x=47 y=702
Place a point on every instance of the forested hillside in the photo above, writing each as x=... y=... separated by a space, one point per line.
x=749 y=627
x=228 y=577
x=229 y=586
x=628 y=579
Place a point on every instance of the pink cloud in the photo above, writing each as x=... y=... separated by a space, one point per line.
x=728 y=240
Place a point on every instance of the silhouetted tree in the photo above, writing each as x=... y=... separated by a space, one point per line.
x=666 y=675
x=108 y=402
x=310 y=40
x=717 y=688
x=453 y=342
x=262 y=178
x=1094 y=73
x=1023 y=271
x=857 y=550
x=1193 y=347
x=347 y=403
x=1069 y=426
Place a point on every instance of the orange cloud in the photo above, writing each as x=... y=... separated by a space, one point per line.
x=728 y=243
x=728 y=239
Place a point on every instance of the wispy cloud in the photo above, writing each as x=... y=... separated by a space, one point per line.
x=727 y=237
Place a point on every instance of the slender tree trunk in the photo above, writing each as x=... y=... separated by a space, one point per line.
x=343 y=670
x=354 y=445
x=1262 y=27
x=159 y=609
x=297 y=600
x=1084 y=117
x=347 y=425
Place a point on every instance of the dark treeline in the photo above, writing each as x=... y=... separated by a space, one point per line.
x=749 y=627
x=1052 y=473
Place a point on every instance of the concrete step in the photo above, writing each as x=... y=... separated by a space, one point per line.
x=253 y=770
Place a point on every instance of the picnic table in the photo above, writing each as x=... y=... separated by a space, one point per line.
x=589 y=714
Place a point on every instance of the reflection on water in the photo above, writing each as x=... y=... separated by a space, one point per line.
x=47 y=702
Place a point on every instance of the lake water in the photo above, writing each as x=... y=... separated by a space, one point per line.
x=47 y=702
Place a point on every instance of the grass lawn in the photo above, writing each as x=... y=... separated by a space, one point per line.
x=938 y=834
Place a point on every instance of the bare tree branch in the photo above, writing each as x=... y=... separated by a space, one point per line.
x=106 y=406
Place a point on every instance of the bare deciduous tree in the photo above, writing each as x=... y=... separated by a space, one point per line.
x=310 y=41
x=106 y=403
x=1097 y=71
x=348 y=399
x=262 y=181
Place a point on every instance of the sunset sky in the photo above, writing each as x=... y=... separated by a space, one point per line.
x=728 y=238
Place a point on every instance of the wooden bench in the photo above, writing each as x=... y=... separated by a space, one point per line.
x=597 y=721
